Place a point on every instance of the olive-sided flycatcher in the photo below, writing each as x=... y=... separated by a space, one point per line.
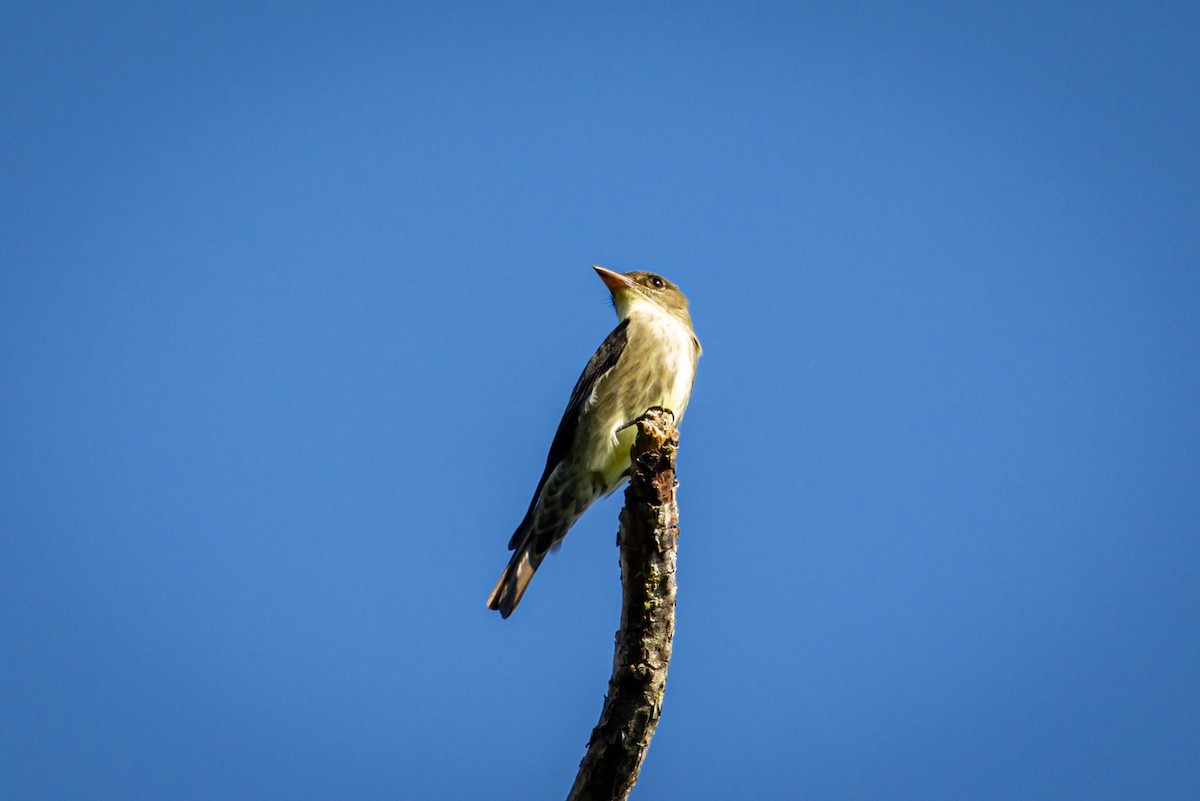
x=648 y=360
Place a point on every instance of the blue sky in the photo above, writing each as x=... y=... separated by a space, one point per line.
x=294 y=295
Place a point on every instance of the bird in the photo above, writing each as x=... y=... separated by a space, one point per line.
x=648 y=360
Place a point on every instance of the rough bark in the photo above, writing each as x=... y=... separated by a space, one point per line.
x=647 y=537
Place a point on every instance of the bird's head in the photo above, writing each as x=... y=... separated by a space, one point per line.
x=633 y=289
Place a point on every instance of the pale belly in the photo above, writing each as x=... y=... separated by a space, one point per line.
x=627 y=393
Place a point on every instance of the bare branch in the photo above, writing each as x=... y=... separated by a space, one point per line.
x=648 y=536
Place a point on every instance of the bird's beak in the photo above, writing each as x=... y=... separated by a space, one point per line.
x=614 y=281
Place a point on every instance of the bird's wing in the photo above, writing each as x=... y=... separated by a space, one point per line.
x=602 y=361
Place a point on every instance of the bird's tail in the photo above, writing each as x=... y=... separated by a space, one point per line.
x=516 y=577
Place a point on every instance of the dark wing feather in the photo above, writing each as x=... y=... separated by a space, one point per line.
x=603 y=360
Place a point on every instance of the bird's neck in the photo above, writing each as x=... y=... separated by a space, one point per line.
x=640 y=308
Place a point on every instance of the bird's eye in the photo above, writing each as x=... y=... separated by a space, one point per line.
x=656 y=281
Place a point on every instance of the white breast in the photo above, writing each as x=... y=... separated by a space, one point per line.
x=679 y=354
x=606 y=420
x=682 y=360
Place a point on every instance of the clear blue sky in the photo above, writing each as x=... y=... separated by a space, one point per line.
x=294 y=295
